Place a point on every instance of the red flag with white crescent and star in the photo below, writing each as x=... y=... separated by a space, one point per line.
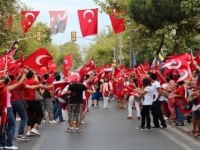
x=28 y=17
x=67 y=63
x=38 y=59
x=118 y=24
x=58 y=21
x=88 y=20
x=59 y=86
x=89 y=66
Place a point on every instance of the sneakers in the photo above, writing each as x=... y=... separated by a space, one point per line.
x=62 y=120
x=53 y=121
x=11 y=147
x=44 y=121
x=79 y=130
x=83 y=122
x=22 y=137
x=147 y=129
x=92 y=105
x=29 y=134
x=69 y=130
x=18 y=119
x=164 y=126
x=138 y=118
x=35 y=131
x=129 y=118
x=1 y=147
x=140 y=128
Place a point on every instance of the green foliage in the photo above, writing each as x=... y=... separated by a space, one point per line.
x=69 y=48
x=155 y=14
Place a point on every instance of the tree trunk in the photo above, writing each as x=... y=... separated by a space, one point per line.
x=176 y=45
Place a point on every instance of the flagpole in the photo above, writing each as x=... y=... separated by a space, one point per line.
x=13 y=43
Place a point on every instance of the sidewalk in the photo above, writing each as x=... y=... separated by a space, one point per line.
x=184 y=128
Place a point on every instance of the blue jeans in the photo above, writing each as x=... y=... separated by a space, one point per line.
x=57 y=110
x=179 y=115
x=10 y=127
x=19 y=108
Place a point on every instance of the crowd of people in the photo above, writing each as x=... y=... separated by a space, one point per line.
x=171 y=100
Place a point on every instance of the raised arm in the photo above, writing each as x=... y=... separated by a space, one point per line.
x=12 y=87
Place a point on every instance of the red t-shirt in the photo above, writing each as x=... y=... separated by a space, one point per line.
x=29 y=94
x=17 y=94
x=180 y=91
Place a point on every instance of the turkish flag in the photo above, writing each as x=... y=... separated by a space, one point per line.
x=160 y=77
x=88 y=20
x=75 y=77
x=28 y=17
x=58 y=21
x=197 y=58
x=3 y=106
x=146 y=66
x=37 y=59
x=141 y=70
x=59 y=86
x=67 y=63
x=89 y=66
x=117 y=23
x=123 y=91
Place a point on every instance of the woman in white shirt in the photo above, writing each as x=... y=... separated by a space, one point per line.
x=147 y=93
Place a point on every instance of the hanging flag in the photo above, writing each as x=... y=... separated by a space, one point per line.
x=28 y=17
x=67 y=64
x=37 y=59
x=117 y=23
x=88 y=20
x=58 y=21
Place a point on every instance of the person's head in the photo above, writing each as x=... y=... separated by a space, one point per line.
x=170 y=76
x=7 y=80
x=46 y=76
x=146 y=82
x=181 y=83
x=153 y=76
x=12 y=77
x=30 y=74
x=87 y=76
x=106 y=78
x=57 y=77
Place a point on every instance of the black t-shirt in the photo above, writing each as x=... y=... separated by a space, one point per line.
x=76 y=93
x=97 y=86
x=46 y=93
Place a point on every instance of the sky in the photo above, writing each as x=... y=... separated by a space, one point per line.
x=71 y=6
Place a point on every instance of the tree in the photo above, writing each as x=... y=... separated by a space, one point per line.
x=69 y=48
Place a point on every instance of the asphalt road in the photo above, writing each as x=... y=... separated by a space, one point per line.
x=108 y=129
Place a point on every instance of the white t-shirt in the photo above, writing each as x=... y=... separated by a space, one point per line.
x=155 y=85
x=148 y=97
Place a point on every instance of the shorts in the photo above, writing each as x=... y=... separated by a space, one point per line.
x=96 y=96
x=196 y=114
x=75 y=112
x=47 y=104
